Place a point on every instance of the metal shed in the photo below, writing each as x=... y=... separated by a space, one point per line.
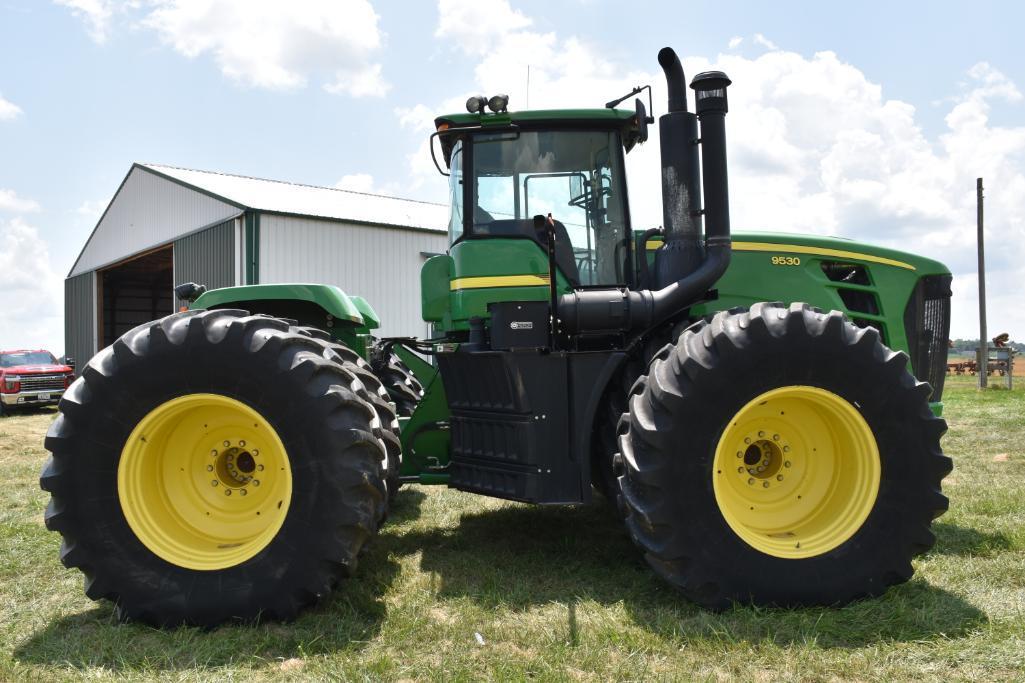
x=168 y=225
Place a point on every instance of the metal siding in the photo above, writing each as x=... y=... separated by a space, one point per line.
x=148 y=211
x=380 y=264
x=206 y=258
x=80 y=318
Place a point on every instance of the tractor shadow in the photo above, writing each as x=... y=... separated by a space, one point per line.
x=346 y=621
x=523 y=557
x=953 y=539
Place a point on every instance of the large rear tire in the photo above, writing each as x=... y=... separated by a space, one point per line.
x=211 y=466
x=781 y=456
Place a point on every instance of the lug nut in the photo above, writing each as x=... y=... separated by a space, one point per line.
x=227 y=492
x=213 y=483
x=227 y=443
x=750 y=482
x=255 y=452
x=765 y=484
x=242 y=492
x=209 y=468
x=779 y=477
x=256 y=482
x=740 y=470
x=786 y=449
x=259 y=468
x=747 y=440
x=775 y=437
x=213 y=454
x=760 y=434
x=242 y=444
x=786 y=464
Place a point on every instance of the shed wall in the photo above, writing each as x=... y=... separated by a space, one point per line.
x=380 y=264
x=80 y=318
x=148 y=211
x=206 y=258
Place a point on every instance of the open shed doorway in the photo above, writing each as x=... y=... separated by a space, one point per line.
x=133 y=292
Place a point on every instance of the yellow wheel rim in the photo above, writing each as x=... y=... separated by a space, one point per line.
x=796 y=472
x=204 y=481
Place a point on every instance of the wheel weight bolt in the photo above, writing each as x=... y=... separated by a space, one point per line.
x=779 y=477
x=213 y=483
x=255 y=452
x=747 y=440
x=765 y=484
x=750 y=481
x=213 y=454
x=242 y=492
x=227 y=492
x=259 y=468
x=227 y=443
x=761 y=434
x=786 y=464
x=740 y=470
x=209 y=468
x=256 y=482
x=242 y=444
x=775 y=437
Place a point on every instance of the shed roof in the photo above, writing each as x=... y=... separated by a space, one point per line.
x=156 y=204
x=278 y=196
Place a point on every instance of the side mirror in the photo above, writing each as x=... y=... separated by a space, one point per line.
x=69 y=361
x=642 y=120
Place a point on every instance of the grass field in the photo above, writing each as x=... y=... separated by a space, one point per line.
x=459 y=587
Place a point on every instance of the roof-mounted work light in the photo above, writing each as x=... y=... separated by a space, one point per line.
x=498 y=103
x=475 y=105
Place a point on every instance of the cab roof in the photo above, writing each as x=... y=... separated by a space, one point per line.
x=622 y=120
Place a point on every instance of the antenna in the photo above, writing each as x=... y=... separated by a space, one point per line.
x=528 y=88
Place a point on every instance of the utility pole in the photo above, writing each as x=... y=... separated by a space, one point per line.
x=983 y=339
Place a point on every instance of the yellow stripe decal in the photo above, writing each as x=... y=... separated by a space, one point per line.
x=499 y=281
x=799 y=249
x=818 y=251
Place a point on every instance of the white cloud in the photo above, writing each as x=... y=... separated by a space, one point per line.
x=260 y=43
x=11 y=202
x=91 y=209
x=356 y=182
x=8 y=109
x=95 y=14
x=276 y=45
x=759 y=39
x=30 y=290
x=735 y=42
x=476 y=25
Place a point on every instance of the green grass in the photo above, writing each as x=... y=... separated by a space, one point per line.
x=555 y=593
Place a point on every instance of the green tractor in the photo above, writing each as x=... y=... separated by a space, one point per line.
x=232 y=461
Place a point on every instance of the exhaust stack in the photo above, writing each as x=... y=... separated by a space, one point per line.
x=684 y=267
x=681 y=253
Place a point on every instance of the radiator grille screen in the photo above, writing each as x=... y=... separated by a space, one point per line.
x=927 y=325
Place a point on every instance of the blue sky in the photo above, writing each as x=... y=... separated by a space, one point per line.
x=868 y=120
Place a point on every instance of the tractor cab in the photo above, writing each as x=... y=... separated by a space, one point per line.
x=516 y=176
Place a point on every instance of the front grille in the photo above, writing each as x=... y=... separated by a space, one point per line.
x=927 y=325
x=42 y=382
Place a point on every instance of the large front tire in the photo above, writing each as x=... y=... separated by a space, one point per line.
x=213 y=465
x=781 y=456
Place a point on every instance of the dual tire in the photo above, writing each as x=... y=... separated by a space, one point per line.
x=215 y=465
x=780 y=456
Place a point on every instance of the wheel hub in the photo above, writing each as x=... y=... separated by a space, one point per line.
x=796 y=471
x=204 y=481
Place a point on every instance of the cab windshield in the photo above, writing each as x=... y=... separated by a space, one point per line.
x=575 y=177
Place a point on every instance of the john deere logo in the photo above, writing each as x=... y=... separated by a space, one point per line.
x=517 y=325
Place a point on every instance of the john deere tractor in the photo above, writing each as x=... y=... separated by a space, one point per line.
x=761 y=410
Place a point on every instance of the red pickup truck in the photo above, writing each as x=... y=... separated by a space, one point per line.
x=32 y=378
